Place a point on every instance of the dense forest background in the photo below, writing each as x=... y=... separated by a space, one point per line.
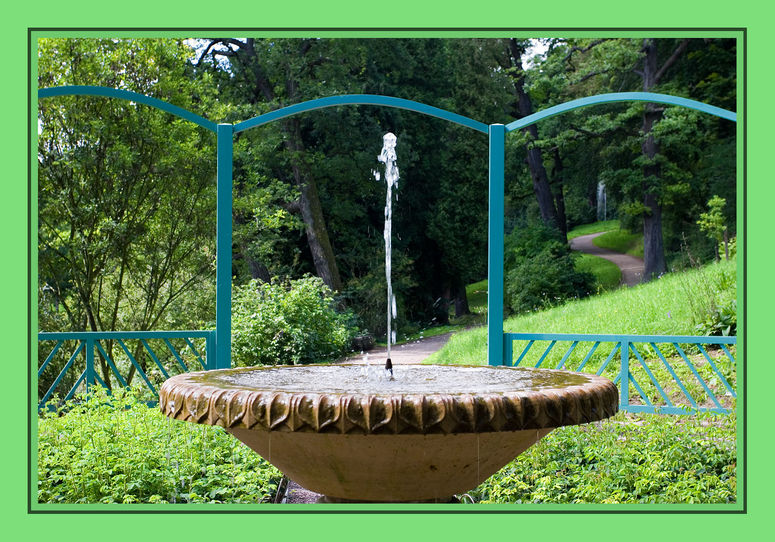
x=126 y=193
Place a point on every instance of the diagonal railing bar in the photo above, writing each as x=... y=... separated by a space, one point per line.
x=62 y=374
x=177 y=356
x=546 y=353
x=154 y=358
x=642 y=394
x=588 y=356
x=137 y=366
x=650 y=374
x=111 y=364
x=71 y=393
x=193 y=349
x=696 y=374
x=528 y=346
x=675 y=376
x=567 y=354
x=716 y=370
x=50 y=356
x=609 y=358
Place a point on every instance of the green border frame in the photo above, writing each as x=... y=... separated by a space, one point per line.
x=616 y=520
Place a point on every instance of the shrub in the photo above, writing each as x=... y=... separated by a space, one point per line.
x=115 y=449
x=289 y=323
x=540 y=270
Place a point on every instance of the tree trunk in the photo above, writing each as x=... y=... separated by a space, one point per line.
x=461 y=298
x=653 y=246
x=522 y=108
x=312 y=211
x=559 y=194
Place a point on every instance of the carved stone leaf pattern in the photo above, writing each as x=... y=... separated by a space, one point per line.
x=183 y=397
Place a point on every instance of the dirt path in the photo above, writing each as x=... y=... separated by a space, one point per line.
x=632 y=267
x=412 y=352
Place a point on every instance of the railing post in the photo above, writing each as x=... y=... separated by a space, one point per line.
x=497 y=137
x=210 y=350
x=89 y=362
x=225 y=133
x=624 y=380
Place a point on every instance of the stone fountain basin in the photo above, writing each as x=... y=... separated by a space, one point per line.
x=349 y=433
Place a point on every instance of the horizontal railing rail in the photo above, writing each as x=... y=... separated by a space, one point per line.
x=82 y=359
x=664 y=374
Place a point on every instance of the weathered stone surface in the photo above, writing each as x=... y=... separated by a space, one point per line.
x=203 y=398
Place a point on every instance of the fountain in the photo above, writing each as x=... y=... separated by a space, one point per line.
x=388 y=157
x=432 y=432
x=421 y=434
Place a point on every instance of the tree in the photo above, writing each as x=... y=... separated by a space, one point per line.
x=712 y=224
x=126 y=192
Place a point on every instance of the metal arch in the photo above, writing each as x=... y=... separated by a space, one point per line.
x=86 y=90
x=621 y=97
x=360 y=99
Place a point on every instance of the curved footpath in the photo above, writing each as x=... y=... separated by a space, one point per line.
x=632 y=267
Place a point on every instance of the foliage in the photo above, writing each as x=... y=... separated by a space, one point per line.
x=713 y=300
x=126 y=194
x=289 y=322
x=711 y=222
x=625 y=459
x=539 y=270
x=115 y=449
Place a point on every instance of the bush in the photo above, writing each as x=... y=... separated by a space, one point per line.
x=289 y=323
x=540 y=270
x=115 y=449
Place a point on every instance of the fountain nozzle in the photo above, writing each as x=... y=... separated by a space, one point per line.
x=389 y=367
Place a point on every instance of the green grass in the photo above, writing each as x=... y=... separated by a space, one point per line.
x=671 y=305
x=607 y=275
x=621 y=241
x=477 y=297
x=595 y=227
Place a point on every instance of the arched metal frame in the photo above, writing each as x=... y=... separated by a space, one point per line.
x=496 y=340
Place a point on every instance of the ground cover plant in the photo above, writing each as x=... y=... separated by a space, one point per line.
x=625 y=459
x=115 y=449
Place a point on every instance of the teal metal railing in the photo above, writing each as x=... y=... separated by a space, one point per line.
x=499 y=348
x=84 y=359
x=663 y=374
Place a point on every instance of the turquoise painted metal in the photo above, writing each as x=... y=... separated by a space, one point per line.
x=628 y=351
x=91 y=342
x=500 y=345
x=495 y=247
x=223 y=247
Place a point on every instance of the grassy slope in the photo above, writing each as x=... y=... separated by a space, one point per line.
x=595 y=227
x=607 y=275
x=670 y=305
x=621 y=241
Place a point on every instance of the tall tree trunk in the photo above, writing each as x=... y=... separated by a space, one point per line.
x=312 y=211
x=653 y=246
x=559 y=193
x=522 y=108
x=461 y=298
x=262 y=87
